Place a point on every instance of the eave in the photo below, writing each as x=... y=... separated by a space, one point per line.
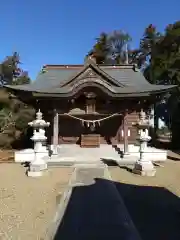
x=117 y=92
x=123 y=93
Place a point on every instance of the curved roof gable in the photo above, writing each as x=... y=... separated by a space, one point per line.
x=92 y=71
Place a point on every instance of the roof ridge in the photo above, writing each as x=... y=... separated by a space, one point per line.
x=67 y=66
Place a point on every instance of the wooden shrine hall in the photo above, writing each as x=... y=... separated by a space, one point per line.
x=90 y=104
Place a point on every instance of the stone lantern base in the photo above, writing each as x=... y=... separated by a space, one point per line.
x=34 y=174
x=36 y=170
x=37 y=166
x=144 y=168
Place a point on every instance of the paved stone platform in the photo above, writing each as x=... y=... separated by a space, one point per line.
x=95 y=209
x=71 y=154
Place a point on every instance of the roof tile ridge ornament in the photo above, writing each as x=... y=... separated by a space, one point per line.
x=90 y=61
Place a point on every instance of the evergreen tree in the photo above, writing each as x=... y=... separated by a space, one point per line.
x=14 y=115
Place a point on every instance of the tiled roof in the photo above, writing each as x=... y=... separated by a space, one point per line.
x=127 y=79
x=122 y=74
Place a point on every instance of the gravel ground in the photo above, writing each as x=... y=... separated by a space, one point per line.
x=27 y=205
x=167 y=176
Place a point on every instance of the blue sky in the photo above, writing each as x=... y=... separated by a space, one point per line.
x=63 y=31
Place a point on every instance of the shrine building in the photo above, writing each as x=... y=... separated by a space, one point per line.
x=90 y=104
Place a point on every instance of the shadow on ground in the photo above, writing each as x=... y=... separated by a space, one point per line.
x=104 y=211
x=155 y=211
x=109 y=162
x=174 y=155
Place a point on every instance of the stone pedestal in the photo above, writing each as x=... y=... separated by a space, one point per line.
x=55 y=150
x=26 y=155
x=144 y=168
x=37 y=166
x=126 y=154
x=35 y=174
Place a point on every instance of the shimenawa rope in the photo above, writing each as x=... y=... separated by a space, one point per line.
x=91 y=121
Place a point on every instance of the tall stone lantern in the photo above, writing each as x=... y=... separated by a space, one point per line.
x=143 y=166
x=38 y=164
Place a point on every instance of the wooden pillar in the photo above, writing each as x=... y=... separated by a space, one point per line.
x=125 y=130
x=55 y=131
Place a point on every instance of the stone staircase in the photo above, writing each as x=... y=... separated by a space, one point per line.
x=73 y=154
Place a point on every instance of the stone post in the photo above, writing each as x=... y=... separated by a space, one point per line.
x=125 y=133
x=55 y=132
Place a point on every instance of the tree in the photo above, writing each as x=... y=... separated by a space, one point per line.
x=14 y=115
x=22 y=79
x=100 y=49
x=118 y=41
x=11 y=73
x=167 y=71
x=14 y=118
x=144 y=56
x=167 y=58
x=159 y=58
x=110 y=48
x=9 y=69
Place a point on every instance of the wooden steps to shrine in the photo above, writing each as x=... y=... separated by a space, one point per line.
x=90 y=140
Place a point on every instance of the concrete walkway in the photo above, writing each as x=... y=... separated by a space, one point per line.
x=95 y=210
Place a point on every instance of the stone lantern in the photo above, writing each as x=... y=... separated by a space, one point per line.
x=144 y=165
x=38 y=164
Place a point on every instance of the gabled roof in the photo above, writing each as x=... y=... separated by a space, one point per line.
x=95 y=72
x=66 y=80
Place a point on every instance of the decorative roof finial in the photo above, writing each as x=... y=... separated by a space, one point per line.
x=43 y=70
x=39 y=115
x=90 y=59
x=142 y=116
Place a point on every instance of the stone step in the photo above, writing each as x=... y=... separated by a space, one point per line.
x=71 y=163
